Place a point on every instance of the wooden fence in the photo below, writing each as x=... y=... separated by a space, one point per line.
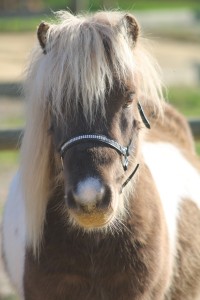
x=10 y=139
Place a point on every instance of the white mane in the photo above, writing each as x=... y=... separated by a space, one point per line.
x=75 y=67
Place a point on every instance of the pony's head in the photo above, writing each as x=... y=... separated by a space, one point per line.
x=84 y=86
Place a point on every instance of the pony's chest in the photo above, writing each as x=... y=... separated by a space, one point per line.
x=74 y=270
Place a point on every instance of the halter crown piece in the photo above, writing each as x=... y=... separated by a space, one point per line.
x=102 y=139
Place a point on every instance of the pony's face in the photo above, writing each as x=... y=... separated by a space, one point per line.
x=96 y=66
x=101 y=73
x=93 y=172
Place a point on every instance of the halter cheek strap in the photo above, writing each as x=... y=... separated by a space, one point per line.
x=143 y=116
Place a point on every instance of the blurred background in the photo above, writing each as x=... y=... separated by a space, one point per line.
x=173 y=26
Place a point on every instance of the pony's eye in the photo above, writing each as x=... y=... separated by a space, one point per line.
x=129 y=100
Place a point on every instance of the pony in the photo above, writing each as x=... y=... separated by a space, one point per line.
x=106 y=202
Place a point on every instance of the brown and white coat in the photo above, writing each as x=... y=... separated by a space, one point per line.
x=71 y=234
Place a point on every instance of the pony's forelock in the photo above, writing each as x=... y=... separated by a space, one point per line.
x=84 y=57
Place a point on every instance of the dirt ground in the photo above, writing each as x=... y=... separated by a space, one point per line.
x=14 y=52
x=177 y=60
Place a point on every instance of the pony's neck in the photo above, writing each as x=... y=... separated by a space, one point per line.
x=124 y=257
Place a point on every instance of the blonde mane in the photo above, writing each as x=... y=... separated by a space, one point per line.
x=76 y=66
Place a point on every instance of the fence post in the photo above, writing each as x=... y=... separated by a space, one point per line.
x=10 y=139
x=79 y=5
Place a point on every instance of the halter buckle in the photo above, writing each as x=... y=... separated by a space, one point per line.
x=125 y=162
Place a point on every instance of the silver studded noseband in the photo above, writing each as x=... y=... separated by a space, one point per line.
x=100 y=139
x=104 y=140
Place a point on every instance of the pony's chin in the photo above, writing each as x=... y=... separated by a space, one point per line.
x=91 y=221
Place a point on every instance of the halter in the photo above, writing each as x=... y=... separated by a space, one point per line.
x=97 y=138
x=102 y=139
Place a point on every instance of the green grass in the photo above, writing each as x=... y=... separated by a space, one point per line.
x=160 y=4
x=16 y=24
x=29 y=23
x=12 y=122
x=19 y=24
x=129 y=4
x=186 y=100
x=145 y=5
x=8 y=159
x=198 y=147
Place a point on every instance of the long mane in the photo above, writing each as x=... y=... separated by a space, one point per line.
x=85 y=54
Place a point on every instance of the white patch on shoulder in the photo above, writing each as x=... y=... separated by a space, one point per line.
x=14 y=235
x=175 y=178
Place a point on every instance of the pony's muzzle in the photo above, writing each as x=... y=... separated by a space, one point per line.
x=88 y=195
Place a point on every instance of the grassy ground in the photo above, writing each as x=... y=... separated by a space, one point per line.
x=19 y=24
x=11 y=113
x=198 y=147
x=10 y=298
x=186 y=100
x=8 y=159
x=130 y=4
x=29 y=23
x=147 y=5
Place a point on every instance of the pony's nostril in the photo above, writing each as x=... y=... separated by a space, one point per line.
x=87 y=194
x=70 y=201
x=106 y=199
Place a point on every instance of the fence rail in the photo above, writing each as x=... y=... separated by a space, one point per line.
x=195 y=127
x=10 y=139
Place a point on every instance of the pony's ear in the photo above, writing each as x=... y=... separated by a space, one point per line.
x=129 y=26
x=42 y=35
